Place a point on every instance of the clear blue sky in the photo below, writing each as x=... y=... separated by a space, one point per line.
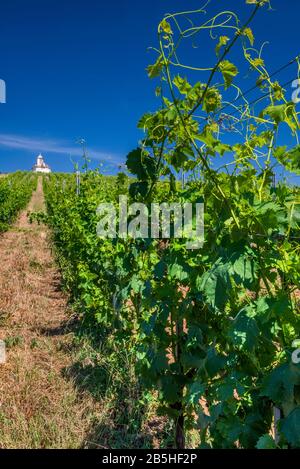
x=76 y=68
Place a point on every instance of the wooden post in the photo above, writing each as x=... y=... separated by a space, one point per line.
x=277 y=417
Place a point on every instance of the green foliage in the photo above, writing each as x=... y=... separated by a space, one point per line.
x=15 y=192
x=283 y=113
x=266 y=442
x=211 y=329
x=290 y=428
x=229 y=72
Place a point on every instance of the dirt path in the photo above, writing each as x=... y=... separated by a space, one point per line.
x=39 y=406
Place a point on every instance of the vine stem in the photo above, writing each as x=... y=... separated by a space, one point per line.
x=214 y=70
x=192 y=140
x=277 y=417
x=225 y=53
x=266 y=167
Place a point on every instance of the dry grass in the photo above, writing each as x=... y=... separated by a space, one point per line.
x=39 y=406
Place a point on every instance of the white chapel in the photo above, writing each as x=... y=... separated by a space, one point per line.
x=41 y=166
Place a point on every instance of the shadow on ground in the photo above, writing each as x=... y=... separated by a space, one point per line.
x=125 y=420
x=64 y=328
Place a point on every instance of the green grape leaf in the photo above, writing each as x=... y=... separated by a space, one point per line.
x=289 y=159
x=229 y=72
x=194 y=392
x=265 y=442
x=290 y=427
x=136 y=284
x=166 y=27
x=222 y=42
x=249 y=33
x=282 y=113
x=155 y=70
x=215 y=284
x=141 y=164
x=244 y=332
x=214 y=362
x=177 y=272
x=212 y=100
x=245 y=270
x=182 y=85
x=279 y=384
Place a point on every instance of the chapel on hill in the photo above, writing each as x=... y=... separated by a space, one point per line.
x=41 y=166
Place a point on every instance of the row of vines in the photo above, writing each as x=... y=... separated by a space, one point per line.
x=212 y=329
x=15 y=192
